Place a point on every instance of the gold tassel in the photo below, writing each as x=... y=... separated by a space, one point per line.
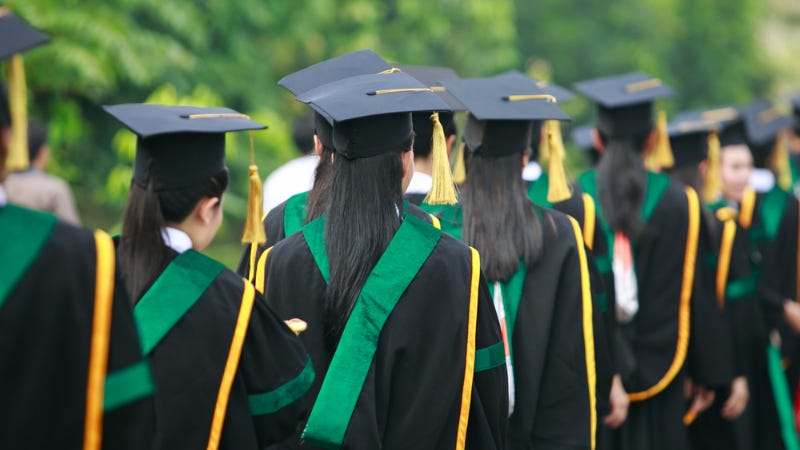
x=18 y=104
x=459 y=170
x=443 y=192
x=544 y=146
x=661 y=156
x=782 y=168
x=713 y=181
x=558 y=189
x=253 y=228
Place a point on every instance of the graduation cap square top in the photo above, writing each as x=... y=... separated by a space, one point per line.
x=624 y=102
x=361 y=62
x=689 y=133
x=764 y=121
x=371 y=113
x=502 y=111
x=179 y=145
x=16 y=36
x=423 y=127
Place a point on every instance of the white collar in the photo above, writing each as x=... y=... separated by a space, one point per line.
x=761 y=180
x=176 y=239
x=3 y=197
x=532 y=171
x=420 y=183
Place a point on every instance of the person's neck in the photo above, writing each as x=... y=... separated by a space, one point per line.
x=423 y=165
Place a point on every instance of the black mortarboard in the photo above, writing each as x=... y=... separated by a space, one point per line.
x=5 y=113
x=179 y=145
x=502 y=111
x=624 y=102
x=371 y=113
x=763 y=122
x=16 y=36
x=423 y=127
x=688 y=137
x=561 y=93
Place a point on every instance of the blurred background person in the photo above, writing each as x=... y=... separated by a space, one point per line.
x=297 y=175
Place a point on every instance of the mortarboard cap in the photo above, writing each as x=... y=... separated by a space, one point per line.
x=16 y=36
x=423 y=127
x=624 y=102
x=371 y=113
x=561 y=93
x=502 y=111
x=688 y=137
x=179 y=145
x=763 y=123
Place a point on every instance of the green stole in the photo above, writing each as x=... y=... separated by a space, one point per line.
x=537 y=191
x=294 y=213
x=512 y=295
x=657 y=184
x=174 y=292
x=24 y=233
x=407 y=252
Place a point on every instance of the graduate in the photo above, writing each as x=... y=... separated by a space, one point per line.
x=694 y=139
x=671 y=336
x=401 y=328
x=72 y=374
x=228 y=372
x=535 y=264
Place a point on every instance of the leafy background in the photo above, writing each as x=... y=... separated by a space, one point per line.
x=233 y=52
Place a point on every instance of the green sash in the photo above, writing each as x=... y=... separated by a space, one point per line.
x=294 y=213
x=24 y=233
x=175 y=291
x=657 y=184
x=537 y=191
x=783 y=401
x=394 y=272
x=773 y=205
x=512 y=294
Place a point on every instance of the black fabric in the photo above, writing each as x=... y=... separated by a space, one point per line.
x=423 y=131
x=495 y=138
x=45 y=338
x=733 y=134
x=373 y=135
x=689 y=149
x=5 y=113
x=188 y=364
x=412 y=394
x=323 y=129
x=625 y=121
x=16 y=36
x=350 y=64
x=174 y=161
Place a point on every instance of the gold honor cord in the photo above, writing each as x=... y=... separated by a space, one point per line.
x=721 y=114
x=523 y=97
x=747 y=208
x=724 y=264
x=588 y=220
x=643 y=85
x=469 y=366
x=399 y=90
x=768 y=115
x=388 y=71
x=217 y=116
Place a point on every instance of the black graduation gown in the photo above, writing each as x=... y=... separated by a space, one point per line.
x=45 y=338
x=268 y=395
x=412 y=393
x=649 y=344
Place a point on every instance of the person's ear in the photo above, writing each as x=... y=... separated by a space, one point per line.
x=650 y=143
x=450 y=141
x=408 y=160
x=206 y=209
x=597 y=143
x=317 y=145
x=526 y=157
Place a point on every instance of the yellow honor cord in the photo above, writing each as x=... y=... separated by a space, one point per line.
x=558 y=189
x=782 y=161
x=18 y=104
x=253 y=228
x=713 y=180
x=443 y=192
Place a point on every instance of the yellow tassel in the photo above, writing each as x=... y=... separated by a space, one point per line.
x=782 y=168
x=713 y=181
x=443 y=192
x=661 y=156
x=544 y=147
x=253 y=228
x=18 y=104
x=459 y=170
x=558 y=189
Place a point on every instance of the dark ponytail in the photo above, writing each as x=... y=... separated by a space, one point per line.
x=499 y=219
x=362 y=215
x=315 y=206
x=621 y=182
x=142 y=252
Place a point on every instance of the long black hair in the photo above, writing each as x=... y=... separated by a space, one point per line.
x=317 y=197
x=499 y=219
x=361 y=217
x=621 y=182
x=142 y=251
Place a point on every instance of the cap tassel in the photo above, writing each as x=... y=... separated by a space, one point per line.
x=661 y=157
x=544 y=146
x=782 y=168
x=18 y=104
x=253 y=228
x=459 y=170
x=713 y=180
x=443 y=192
x=558 y=189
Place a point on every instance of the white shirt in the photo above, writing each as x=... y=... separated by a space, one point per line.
x=532 y=171
x=761 y=180
x=3 y=198
x=176 y=239
x=420 y=183
x=292 y=178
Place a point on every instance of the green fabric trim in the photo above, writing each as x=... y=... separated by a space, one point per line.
x=773 y=205
x=128 y=385
x=487 y=358
x=24 y=234
x=407 y=252
x=294 y=213
x=175 y=291
x=783 y=401
x=711 y=259
x=742 y=287
x=603 y=263
x=512 y=295
x=450 y=217
x=602 y=301
x=284 y=395
x=314 y=234
x=537 y=191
